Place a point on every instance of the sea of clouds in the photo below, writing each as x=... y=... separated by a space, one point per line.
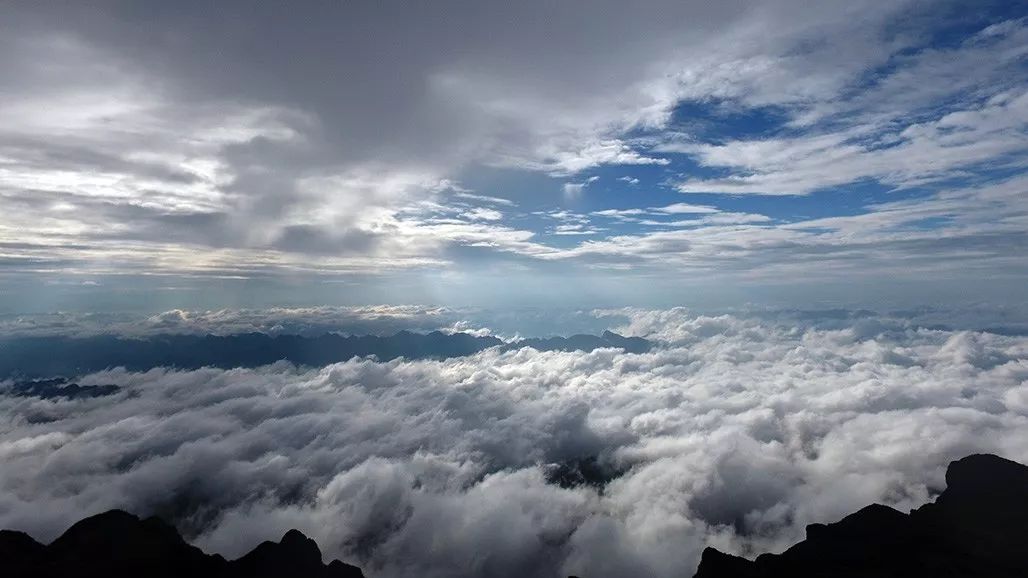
x=735 y=431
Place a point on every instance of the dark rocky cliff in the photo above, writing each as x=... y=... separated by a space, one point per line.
x=116 y=544
x=977 y=527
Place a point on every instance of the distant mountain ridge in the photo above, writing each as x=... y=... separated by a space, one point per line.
x=58 y=387
x=48 y=357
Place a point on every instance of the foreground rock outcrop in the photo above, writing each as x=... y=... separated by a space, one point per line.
x=116 y=544
x=977 y=527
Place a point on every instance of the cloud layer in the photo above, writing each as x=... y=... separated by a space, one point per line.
x=334 y=142
x=306 y=321
x=737 y=432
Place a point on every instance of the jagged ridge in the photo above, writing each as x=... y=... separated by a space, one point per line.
x=116 y=543
x=977 y=527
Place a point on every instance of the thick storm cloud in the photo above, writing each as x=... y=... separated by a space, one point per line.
x=735 y=432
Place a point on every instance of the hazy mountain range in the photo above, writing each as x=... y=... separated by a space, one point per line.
x=44 y=357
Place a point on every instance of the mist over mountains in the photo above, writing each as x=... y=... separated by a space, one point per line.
x=730 y=432
x=43 y=357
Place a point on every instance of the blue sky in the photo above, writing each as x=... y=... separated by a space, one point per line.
x=858 y=153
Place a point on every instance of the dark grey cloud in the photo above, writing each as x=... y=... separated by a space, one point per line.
x=274 y=136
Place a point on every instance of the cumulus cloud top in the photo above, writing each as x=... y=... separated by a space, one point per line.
x=736 y=434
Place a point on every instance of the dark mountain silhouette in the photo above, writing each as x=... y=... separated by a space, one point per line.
x=116 y=543
x=977 y=527
x=47 y=357
x=59 y=387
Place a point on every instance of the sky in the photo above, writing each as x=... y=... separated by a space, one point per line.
x=159 y=155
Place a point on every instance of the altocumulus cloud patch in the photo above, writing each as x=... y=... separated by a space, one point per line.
x=736 y=433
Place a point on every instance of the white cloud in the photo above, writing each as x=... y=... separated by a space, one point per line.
x=573 y=190
x=483 y=214
x=574 y=229
x=938 y=114
x=620 y=212
x=672 y=209
x=726 y=219
x=680 y=208
x=737 y=432
x=485 y=199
